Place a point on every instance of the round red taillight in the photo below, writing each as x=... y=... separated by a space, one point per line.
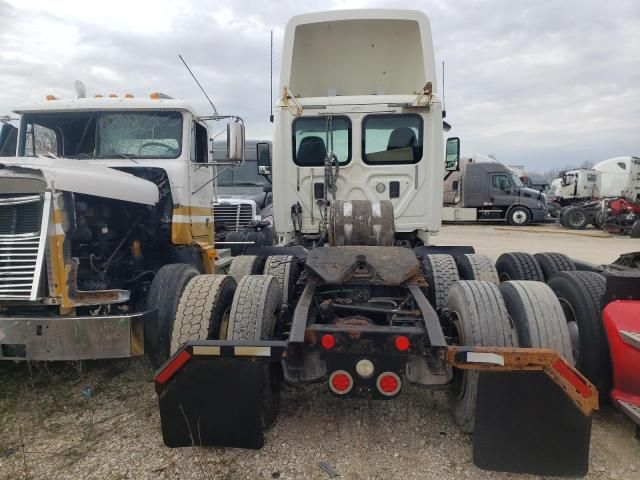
x=328 y=341
x=402 y=343
x=388 y=383
x=340 y=382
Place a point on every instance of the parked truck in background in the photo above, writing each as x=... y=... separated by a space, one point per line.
x=242 y=195
x=490 y=191
x=606 y=196
x=105 y=215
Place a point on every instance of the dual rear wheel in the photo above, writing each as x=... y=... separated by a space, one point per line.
x=516 y=313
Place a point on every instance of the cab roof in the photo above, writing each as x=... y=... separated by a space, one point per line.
x=105 y=103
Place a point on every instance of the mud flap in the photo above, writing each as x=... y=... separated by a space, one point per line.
x=218 y=402
x=526 y=423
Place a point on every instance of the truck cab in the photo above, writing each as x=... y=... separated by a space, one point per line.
x=100 y=194
x=490 y=191
x=380 y=125
x=242 y=195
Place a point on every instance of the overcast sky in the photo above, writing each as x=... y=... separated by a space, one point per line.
x=542 y=83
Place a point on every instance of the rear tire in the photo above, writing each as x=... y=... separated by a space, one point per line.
x=164 y=295
x=254 y=312
x=204 y=308
x=480 y=318
x=575 y=218
x=244 y=265
x=472 y=266
x=239 y=236
x=441 y=272
x=285 y=269
x=635 y=229
x=552 y=263
x=255 y=308
x=518 y=266
x=538 y=316
x=581 y=295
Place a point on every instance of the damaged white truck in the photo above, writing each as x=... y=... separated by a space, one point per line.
x=105 y=215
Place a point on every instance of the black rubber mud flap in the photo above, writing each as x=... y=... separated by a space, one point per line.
x=525 y=423
x=215 y=403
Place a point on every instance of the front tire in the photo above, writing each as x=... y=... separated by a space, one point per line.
x=519 y=216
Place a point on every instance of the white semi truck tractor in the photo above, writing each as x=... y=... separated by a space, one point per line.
x=353 y=296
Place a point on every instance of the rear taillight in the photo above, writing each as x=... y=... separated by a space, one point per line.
x=340 y=382
x=388 y=384
x=172 y=367
x=402 y=343
x=328 y=341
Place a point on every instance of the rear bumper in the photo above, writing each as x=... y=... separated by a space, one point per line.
x=73 y=338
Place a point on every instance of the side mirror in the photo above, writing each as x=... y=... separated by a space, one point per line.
x=452 y=156
x=8 y=140
x=263 y=151
x=235 y=142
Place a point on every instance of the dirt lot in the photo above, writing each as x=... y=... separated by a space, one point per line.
x=99 y=420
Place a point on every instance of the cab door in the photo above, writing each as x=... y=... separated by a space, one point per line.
x=501 y=190
x=200 y=185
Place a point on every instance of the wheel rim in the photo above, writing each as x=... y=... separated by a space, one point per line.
x=573 y=327
x=458 y=381
x=576 y=219
x=224 y=324
x=519 y=217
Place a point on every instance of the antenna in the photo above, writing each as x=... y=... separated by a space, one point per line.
x=271 y=83
x=215 y=112
x=444 y=104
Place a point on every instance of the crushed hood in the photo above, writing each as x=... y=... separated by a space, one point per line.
x=82 y=176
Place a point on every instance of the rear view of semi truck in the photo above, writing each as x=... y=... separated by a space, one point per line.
x=352 y=295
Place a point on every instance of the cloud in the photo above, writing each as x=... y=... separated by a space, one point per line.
x=537 y=83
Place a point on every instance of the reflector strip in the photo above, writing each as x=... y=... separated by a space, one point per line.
x=206 y=350
x=577 y=382
x=252 y=351
x=479 y=357
x=175 y=365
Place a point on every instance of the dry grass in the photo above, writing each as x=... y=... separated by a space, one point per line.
x=49 y=430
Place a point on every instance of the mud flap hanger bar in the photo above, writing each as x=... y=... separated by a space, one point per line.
x=533 y=411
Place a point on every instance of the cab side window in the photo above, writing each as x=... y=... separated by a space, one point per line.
x=199 y=144
x=501 y=182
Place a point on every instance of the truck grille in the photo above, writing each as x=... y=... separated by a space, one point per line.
x=23 y=232
x=232 y=216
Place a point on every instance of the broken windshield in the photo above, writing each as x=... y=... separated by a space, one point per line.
x=85 y=135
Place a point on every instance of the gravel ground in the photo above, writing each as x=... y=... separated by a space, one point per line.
x=50 y=429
